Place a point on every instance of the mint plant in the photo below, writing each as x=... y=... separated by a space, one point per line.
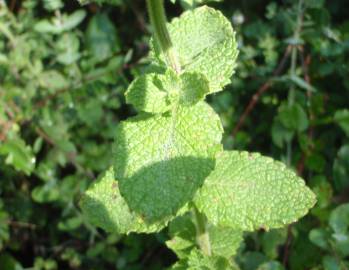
x=170 y=168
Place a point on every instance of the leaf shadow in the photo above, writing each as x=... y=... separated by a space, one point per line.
x=160 y=189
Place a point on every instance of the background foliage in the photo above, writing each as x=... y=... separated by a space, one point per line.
x=63 y=71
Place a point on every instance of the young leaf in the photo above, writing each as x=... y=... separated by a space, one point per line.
x=104 y=207
x=204 y=41
x=194 y=88
x=161 y=161
x=158 y=93
x=341 y=117
x=224 y=241
x=197 y=261
x=18 y=154
x=146 y=94
x=249 y=191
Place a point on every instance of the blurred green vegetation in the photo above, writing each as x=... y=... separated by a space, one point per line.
x=63 y=71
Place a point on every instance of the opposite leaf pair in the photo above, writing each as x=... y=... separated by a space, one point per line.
x=159 y=93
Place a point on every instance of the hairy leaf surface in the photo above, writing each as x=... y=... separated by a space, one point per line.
x=162 y=160
x=204 y=41
x=104 y=207
x=250 y=191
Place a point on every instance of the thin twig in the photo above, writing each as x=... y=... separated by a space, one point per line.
x=19 y=224
x=287 y=245
x=6 y=125
x=139 y=17
x=85 y=80
x=12 y=5
x=70 y=156
x=255 y=98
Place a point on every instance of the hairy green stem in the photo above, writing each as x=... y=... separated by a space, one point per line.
x=202 y=235
x=158 y=21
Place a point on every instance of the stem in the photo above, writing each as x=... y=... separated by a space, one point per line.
x=296 y=35
x=202 y=235
x=158 y=21
x=291 y=93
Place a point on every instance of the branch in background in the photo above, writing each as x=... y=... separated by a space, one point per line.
x=70 y=156
x=19 y=224
x=6 y=125
x=12 y=5
x=86 y=80
x=139 y=16
x=255 y=98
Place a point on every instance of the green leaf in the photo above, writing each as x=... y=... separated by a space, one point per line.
x=68 y=46
x=224 y=241
x=8 y=262
x=300 y=82
x=45 y=26
x=53 y=80
x=204 y=41
x=147 y=94
x=341 y=117
x=70 y=224
x=194 y=87
x=271 y=242
x=101 y=37
x=52 y=5
x=161 y=161
x=323 y=190
x=197 y=261
x=158 y=93
x=320 y=237
x=72 y=20
x=104 y=207
x=331 y=263
x=293 y=117
x=182 y=231
x=65 y=23
x=339 y=219
x=252 y=260
x=273 y=265
x=48 y=192
x=180 y=246
x=315 y=162
x=279 y=133
x=18 y=154
x=249 y=191
x=341 y=168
